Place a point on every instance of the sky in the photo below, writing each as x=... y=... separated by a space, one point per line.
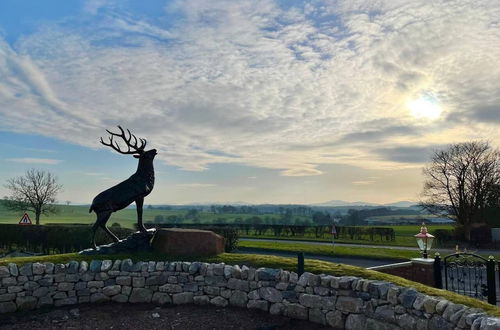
x=246 y=101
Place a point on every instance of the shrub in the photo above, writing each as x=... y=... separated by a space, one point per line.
x=53 y=238
x=231 y=237
x=445 y=237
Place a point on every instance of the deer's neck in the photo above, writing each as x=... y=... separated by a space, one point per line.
x=145 y=168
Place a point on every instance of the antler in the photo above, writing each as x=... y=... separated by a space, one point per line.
x=132 y=147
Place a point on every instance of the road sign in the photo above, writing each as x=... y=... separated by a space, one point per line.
x=25 y=220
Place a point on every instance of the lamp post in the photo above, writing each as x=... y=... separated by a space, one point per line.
x=424 y=240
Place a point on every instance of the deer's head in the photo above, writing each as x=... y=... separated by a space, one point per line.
x=135 y=145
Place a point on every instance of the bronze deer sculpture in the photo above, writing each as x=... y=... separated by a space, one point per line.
x=134 y=189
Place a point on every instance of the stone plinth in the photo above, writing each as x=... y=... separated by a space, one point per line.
x=187 y=242
x=418 y=269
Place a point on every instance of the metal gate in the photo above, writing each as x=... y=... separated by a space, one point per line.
x=467 y=274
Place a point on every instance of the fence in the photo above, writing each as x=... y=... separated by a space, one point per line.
x=468 y=274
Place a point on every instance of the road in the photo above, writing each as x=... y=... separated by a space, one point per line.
x=360 y=262
x=442 y=251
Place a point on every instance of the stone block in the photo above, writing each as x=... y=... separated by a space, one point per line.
x=161 y=298
x=271 y=294
x=355 y=322
x=98 y=297
x=263 y=305
x=140 y=295
x=219 y=302
x=5 y=272
x=238 y=298
x=26 y=303
x=277 y=309
x=349 y=304
x=7 y=307
x=182 y=298
x=124 y=280
x=296 y=311
x=66 y=302
x=111 y=290
x=188 y=242
x=236 y=284
x=26 y=269
x=14 y=271
x=72 y=267
x=316 y=316
x=311 y=301
x=7 y=297
x=170 y=288
x=335 y=319
x=106 y=265
x=120 y=298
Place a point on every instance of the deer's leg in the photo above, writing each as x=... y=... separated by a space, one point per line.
x=139 y=202
x=94 y=229
x=113 y=236
x=102 y=218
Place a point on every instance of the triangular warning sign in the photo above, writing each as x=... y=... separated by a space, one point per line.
x=25 y=220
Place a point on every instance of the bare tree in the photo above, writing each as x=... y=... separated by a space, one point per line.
x=460 y=181
x=35 y=191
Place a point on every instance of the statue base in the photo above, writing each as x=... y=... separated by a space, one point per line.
x=137 y=242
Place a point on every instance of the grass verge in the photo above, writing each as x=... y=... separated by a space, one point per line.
x=400 y=241
x=311 y=265
x=340 y=251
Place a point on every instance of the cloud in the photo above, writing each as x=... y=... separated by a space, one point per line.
x=260 y=83
x=45 y=161
x=195 y=185
x=408 y=154
x=363 y=183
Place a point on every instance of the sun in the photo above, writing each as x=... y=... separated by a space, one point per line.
x=425 y=107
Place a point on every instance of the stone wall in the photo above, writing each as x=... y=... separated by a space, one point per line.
x=341 y=302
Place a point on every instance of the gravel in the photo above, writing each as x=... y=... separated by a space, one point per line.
x=147 y=316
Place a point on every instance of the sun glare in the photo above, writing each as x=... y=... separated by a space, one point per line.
x=425 y=108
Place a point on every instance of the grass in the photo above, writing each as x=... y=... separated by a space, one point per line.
x=399 y=241
x=340 y=251
x=314 y=266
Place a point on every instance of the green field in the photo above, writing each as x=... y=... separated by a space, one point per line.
x=404 y=236
x=126 y=218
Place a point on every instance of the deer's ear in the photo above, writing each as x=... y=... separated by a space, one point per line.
x=137 y=156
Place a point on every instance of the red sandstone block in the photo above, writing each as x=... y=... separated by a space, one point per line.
x=187 y=242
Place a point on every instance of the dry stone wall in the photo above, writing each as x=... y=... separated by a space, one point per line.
x=341 y=302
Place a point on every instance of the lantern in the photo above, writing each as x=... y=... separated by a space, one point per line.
x=424 y=240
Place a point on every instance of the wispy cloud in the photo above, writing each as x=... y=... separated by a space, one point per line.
x=259 y=83
x=46 y=161
x=195 y=185
x=363 y=182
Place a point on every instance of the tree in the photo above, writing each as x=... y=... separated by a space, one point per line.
x=460 y=181
x=35 y=191
x=158 y=219
x=493 y=208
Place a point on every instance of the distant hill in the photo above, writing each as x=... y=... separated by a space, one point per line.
x=344 y=203
x=402 y=204
x=361 y=203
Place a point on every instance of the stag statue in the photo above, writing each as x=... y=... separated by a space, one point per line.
x=134 y=189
